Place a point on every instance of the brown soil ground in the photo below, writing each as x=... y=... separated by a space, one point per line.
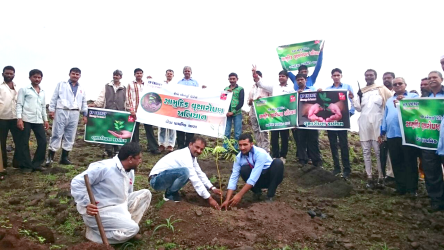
x=39 y=213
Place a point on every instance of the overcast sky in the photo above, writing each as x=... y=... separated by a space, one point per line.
x=217 y=38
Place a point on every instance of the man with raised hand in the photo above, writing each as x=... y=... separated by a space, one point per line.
x=133 y=91
x=31 y=115
x=403 y=158
x=112 y=184
x=256 y=93
x=8 y=117
x=341 y=135
x=234 y=115
x=276 y=90
x=311 y=80
x=255 y=166
x=67 y=102
x=166 y=136
x=184 y=138
x=175 y=169
x=432 y=160
x=112 y=96
x=370 y=101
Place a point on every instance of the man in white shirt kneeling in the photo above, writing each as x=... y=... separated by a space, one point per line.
x=174 y=170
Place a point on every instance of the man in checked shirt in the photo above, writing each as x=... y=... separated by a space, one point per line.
x=132 y=102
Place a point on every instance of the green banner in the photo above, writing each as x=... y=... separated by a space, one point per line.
x=276 y=112
x=294 y=55
x=421 y=120
x=109 y=126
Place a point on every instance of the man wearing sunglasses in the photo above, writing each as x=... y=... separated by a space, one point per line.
x=404 y=160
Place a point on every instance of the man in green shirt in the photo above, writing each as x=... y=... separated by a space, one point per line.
x=31 y=115
x=234 y=115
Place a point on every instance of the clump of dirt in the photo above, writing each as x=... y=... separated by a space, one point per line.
x=11 y=239
x=310 y=176
x=258 y=224
x=90 y=246
x=336 y=189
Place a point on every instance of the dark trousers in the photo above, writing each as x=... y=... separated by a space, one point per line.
x=307 y=142
x=270 y=177
x=39 y=155
x=431 y=164
x=275 y=143
x=5 y=127
x=152 y=142
x=405 y=165
x=383 y=155
x=333 y=136
x=183 y=139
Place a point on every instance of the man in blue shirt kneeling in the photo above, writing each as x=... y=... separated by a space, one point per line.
x=257 y=169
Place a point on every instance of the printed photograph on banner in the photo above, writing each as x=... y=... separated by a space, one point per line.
x=276 y=112
x=294 y=55
x=325 y=110
x=421 y=120
x=109 y=126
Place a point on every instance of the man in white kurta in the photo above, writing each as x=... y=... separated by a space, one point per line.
x=370 y=101
x=120 y=207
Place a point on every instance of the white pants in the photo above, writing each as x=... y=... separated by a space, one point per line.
x=367 y=152
x=166 y=137
x=389 y=168
x=64 y=127
x=120 y=222
x=261 y=138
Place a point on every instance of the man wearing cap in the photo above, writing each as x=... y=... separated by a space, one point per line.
x=112 y=96
x=67 y=102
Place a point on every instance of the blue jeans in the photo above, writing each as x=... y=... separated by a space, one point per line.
x=170 y=180
x=237 y=128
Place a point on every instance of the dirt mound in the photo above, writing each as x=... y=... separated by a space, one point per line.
x=337 y=189
x=90 y=246
x=310 y=176
x=257 y=225
x=10 y=239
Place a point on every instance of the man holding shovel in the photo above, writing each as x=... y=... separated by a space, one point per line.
x=120 y=207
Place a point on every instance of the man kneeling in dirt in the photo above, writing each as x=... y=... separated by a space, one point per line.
x=119 y=206
x=257 y=169
x=174 y=170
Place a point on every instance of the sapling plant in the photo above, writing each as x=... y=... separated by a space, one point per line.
x=118 y=125
x=168 y=224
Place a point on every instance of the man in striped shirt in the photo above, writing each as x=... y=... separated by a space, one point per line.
x=132 y=103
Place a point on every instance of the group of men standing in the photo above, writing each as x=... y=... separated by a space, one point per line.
x=25 y=110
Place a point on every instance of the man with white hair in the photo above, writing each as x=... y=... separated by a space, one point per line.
x=403 y=157
x=184 y=138
x=112 y=96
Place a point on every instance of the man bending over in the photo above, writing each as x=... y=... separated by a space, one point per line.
x=119 y=206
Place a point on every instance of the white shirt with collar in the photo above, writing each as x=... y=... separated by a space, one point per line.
x=183 y=159
x=8 y=102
